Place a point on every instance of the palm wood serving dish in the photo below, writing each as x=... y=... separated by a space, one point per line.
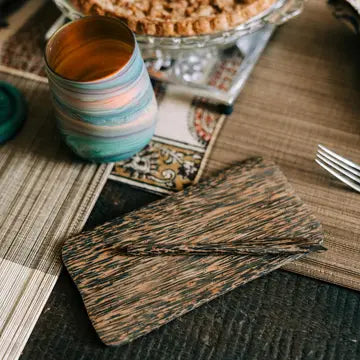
x=155 y=264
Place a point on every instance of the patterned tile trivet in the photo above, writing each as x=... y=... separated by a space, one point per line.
x=186 y=132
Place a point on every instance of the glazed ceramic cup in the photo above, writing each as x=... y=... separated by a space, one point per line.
x=102 y=95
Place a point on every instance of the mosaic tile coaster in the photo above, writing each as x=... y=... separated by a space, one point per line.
x=184 y=137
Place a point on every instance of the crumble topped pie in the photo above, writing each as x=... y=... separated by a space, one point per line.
x=176 y=17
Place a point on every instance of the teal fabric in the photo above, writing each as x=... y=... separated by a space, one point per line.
x=12 y=111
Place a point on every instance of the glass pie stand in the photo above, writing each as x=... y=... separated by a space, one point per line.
x=191 y=61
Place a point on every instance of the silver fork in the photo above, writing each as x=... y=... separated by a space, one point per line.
x=343 y=169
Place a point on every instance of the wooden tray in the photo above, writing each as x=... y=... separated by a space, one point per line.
x=139 y=272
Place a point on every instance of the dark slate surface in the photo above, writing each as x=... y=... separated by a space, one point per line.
x=280 y=316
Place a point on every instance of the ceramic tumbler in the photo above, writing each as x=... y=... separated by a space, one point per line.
x=102 y=95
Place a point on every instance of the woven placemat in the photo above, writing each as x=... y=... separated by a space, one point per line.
x=305 y=91
x=46 y=195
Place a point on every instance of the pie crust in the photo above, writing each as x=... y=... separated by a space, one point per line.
x=176 y=17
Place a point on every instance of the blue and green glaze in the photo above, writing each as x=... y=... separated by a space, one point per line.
x=109 y=119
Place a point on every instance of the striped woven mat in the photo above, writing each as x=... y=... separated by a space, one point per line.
x=46 y=195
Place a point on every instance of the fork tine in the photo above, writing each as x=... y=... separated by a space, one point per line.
x=338 y=162
x=346 y=161
x=342 y=178
x=339 y=169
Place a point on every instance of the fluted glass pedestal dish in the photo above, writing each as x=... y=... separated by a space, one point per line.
x=191 y=61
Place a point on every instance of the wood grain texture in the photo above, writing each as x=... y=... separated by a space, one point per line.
x=237 y=247
x=128 y=296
